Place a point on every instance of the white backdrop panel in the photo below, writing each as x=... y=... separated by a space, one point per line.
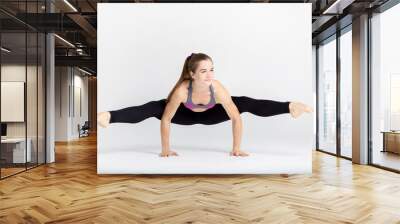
x=259 y=50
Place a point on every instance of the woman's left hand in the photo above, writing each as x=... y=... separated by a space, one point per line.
x=238 y=153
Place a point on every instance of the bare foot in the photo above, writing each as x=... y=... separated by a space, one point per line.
x=238 y=153
x=103 y=119
x=297 y=108
x=168 y=153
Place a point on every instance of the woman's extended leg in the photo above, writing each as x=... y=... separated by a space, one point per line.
x=266 y=108
x=136 y=114
x=259 y=107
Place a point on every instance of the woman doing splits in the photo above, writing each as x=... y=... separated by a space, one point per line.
x=198 y=98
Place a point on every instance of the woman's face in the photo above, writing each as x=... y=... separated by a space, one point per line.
x=204 y=72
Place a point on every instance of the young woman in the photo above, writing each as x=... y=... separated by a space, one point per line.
x=198 y=98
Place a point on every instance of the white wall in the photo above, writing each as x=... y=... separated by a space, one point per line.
x=61 y=103
x=69 y=79
x=257 y=52
x=80 y=82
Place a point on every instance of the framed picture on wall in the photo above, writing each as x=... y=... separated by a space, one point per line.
x=12 y=101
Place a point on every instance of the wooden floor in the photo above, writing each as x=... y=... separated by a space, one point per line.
x=70 y=191
x=5 y=172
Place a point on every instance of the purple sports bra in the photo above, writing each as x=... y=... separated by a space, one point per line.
x=189 y=104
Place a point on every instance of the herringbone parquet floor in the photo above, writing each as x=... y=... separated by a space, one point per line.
x=70 y=191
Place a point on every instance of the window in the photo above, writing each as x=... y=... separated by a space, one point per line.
x=385 y=88
x=346 y=93
x=327 y=96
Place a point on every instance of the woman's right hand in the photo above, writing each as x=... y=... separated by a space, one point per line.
x=168 y=153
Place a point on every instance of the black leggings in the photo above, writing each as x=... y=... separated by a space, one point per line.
x=185 y=116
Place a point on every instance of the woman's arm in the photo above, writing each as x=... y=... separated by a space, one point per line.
x=223 y=97
x=169 y=112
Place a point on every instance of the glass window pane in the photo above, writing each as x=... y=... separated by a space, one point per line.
x=22 y=89
x=346 y=93
x=31 y=101
x=385 y=83
x=327 y=96
x=13 y=72
x=41 y=98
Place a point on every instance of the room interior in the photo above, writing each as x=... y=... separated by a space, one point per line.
x=49 y=138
